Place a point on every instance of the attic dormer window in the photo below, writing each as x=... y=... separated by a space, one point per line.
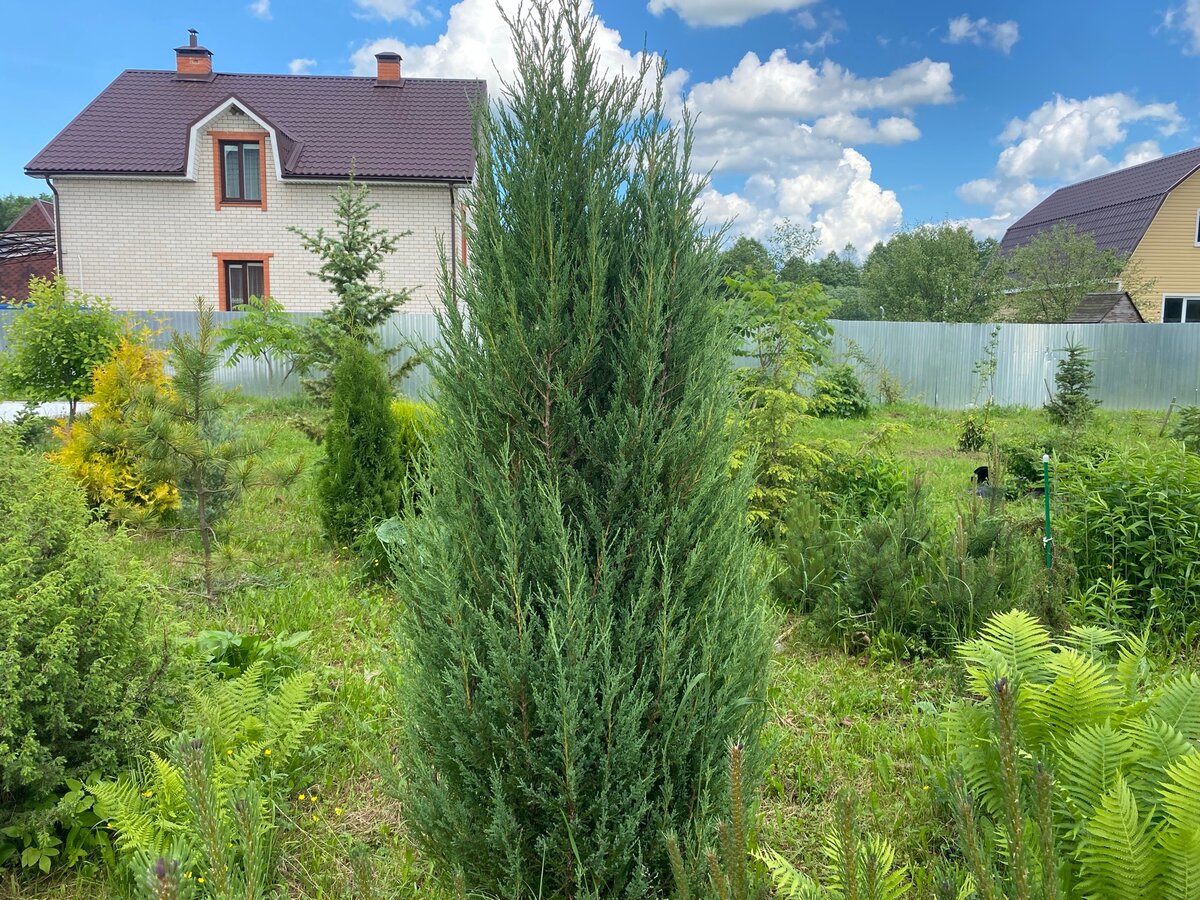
x=239 y=161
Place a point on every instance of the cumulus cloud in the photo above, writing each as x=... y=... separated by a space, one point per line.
x=781 y=86
x=965 y=30
x=1185 y=19
x=1063 y=141
x=301 y=65
x=260 y=9
x=708 y=13
x=393 y=10
x=780 y=135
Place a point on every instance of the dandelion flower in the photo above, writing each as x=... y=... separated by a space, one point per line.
x=337 y=810
x=147 y=793
x=200 y=880
x=267 y=751
x=299 y=796
x=315 y=817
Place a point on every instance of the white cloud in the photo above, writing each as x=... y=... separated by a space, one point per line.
x=260 y=9
x=1000 y=35
x=851 y=129
x=301 y=65
x=1061 y=142
x=782 y=87
x=778 y=134
x=1186 y=19
x=703 y=13
x=393 y=10
x=1066 y=138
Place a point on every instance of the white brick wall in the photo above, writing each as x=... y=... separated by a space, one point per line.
x=149 y=244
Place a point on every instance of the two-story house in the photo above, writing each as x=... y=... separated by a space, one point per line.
x=173 y=184
x=1149 y=212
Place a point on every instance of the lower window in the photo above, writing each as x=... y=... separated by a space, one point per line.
x=1181 y=309
x=241 y=276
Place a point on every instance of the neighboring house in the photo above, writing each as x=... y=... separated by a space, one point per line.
x=1150 y=212
x=1116 y=306
x=27 y=250
x=173 y=184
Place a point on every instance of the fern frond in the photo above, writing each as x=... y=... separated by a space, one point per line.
x=1179 y=705
x=1091 y=764
x=788 y=882
x=1091 y=640
x=877 y=861
x=1179 y=863
x=1133 y=664
x=1181 y=792
x=1013 y=645
x=1081 y=694
x=291 y=714
x=1117 y=855
x=1157 y=745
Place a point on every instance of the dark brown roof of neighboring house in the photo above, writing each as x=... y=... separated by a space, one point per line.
x=1095 y=307
x=1116 y=208
x=38 y=216
x=140 y=125
x=25 y=243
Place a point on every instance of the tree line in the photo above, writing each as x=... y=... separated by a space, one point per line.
x=943 y=273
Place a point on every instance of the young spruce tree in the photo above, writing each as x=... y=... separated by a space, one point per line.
x=585 y=636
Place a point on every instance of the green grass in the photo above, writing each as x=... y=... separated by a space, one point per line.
x=838 y=723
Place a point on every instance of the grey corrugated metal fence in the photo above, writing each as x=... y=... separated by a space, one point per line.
x=404 y=332
x=1137 y=366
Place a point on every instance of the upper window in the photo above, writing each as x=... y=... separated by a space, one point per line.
x=239 y=161
x=1181 y=309
x=240 y=177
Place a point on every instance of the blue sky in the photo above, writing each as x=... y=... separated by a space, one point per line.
x=858 y=117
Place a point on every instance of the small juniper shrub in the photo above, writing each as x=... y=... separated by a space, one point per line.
x=364 y=478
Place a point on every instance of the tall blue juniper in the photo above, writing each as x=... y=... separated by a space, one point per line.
x=585 y=636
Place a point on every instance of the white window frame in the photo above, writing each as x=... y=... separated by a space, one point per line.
x=1196 y=233
x=1187 y=299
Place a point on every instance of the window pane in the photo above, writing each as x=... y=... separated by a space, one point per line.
x=1191 y=309
x=254 y=280
x=1173 y=309
x=235 y=280
x=233 y=177
x=250 y=165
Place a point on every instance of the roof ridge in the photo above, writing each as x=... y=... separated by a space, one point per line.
x=1150 y=162
x=289 y=76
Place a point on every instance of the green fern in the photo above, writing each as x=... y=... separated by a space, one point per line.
x=1012 y=645
x=1117 y=859
x=789 y=882
x=1179 y=705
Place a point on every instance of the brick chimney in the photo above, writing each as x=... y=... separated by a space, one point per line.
x=388 y=69
x=191 y=60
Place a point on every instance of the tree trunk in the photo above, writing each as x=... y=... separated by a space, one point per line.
x=205 y=536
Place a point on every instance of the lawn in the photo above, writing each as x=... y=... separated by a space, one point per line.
x=839 y=724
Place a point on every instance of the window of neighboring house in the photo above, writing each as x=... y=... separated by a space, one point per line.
x=1181 y=309
x=239 y=161
x=1198 y=228
x=242 y=277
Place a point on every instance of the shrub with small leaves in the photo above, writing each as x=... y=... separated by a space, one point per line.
x=842 y=393
x=76 y=670
x=1187 y=428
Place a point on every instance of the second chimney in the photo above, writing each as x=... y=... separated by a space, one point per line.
x=388 y=68
x=192 y=60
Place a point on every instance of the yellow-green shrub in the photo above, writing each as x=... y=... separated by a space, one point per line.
x=95 y=452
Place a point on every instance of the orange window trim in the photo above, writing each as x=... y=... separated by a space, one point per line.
x=223 y=288
x=245 y=136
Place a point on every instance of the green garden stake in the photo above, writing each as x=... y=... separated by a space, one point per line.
x=1046 y=541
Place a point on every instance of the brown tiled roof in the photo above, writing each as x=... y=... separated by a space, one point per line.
x=1116 y=208
x=1096 y=307
x=140 y=124
x=38 y=216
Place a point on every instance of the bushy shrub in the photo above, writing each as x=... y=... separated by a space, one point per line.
x=1132 y=514
x=1074 y=768
x=97 y=452
x=56 y=342
x=842 y=393
x=808 y=556
x=75 y=669
x=972 y=433
x=364 y=477
x=415 y=424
